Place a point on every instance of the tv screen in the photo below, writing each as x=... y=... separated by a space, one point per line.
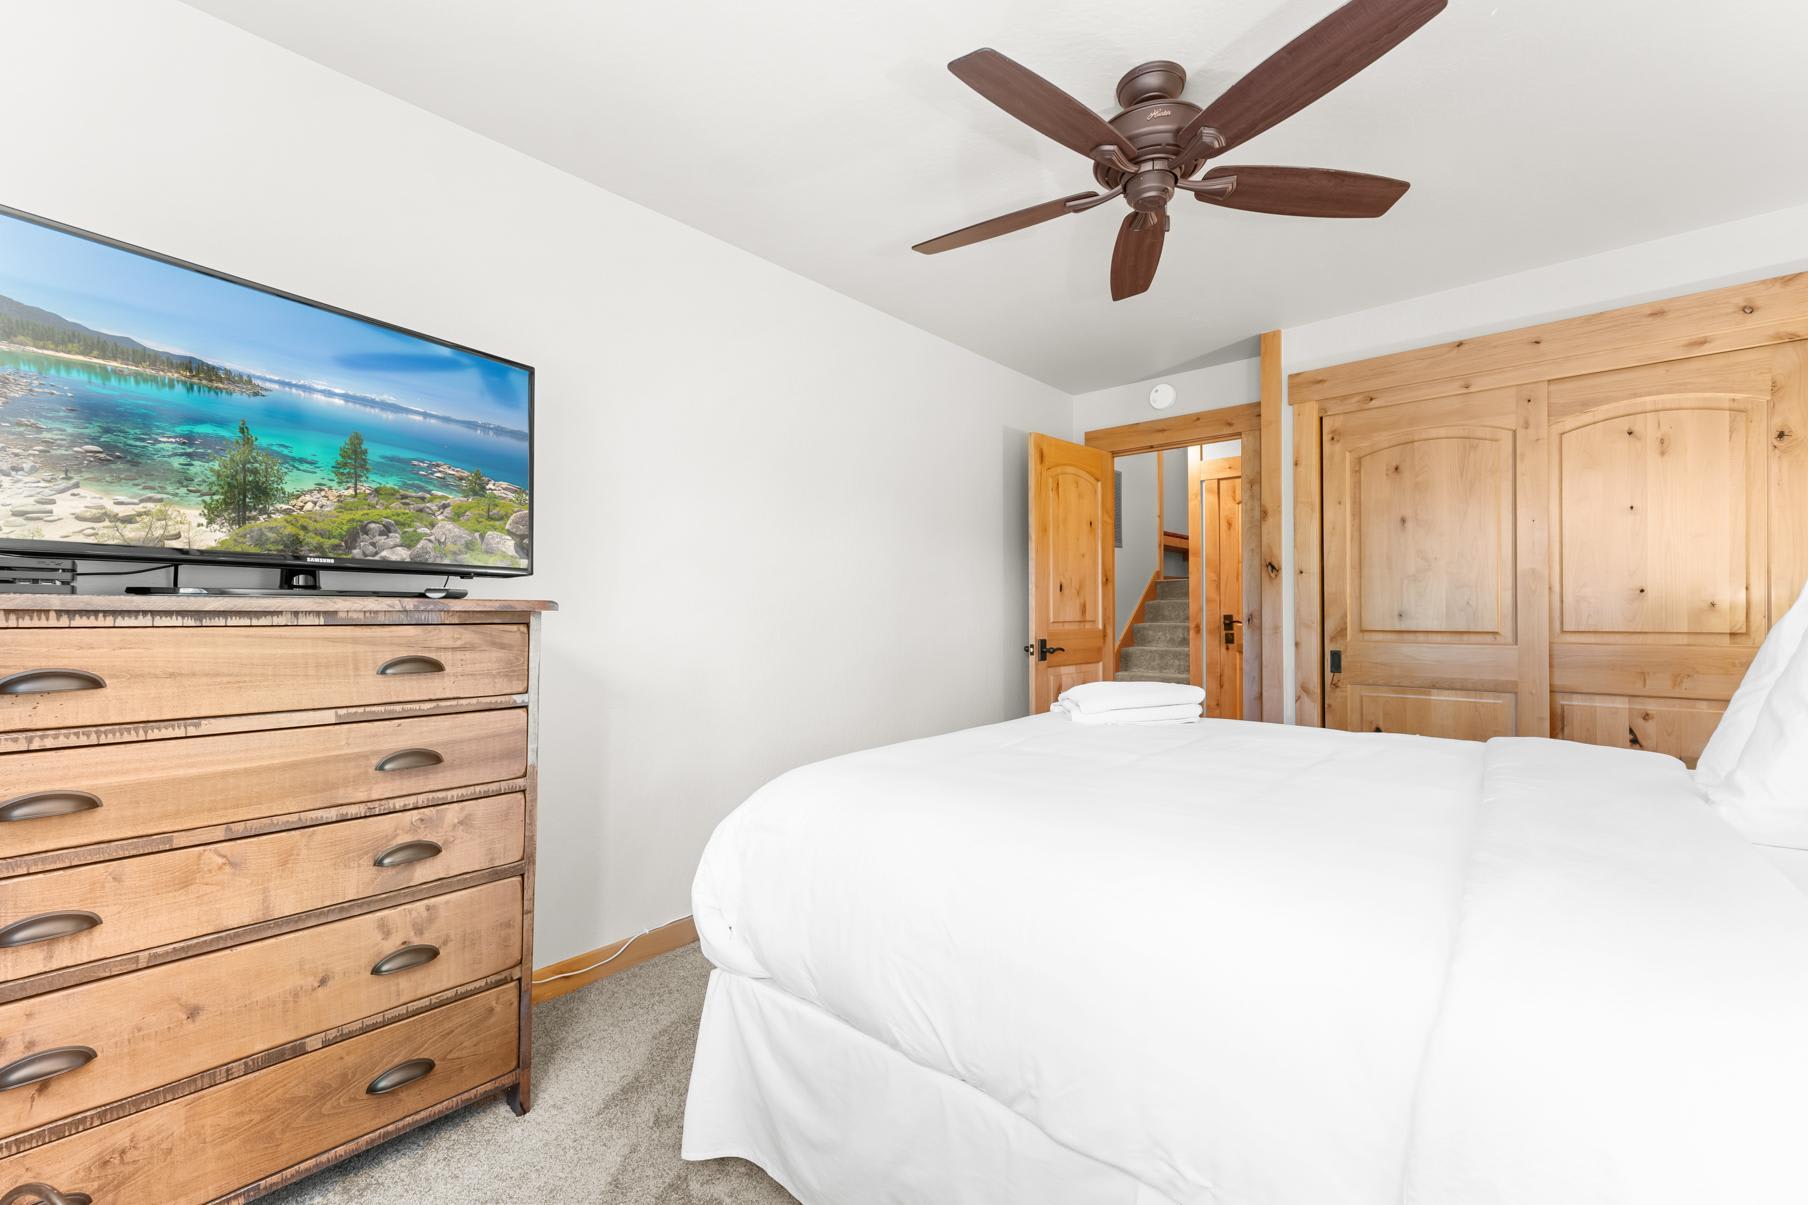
x=155 y=410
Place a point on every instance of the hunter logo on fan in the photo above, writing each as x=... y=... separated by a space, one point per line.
x=1154 y=113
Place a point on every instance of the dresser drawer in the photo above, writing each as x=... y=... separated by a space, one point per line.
x=139 y=903
x=77 y=677
x=157 y=1026
x=58 y=798
x=200 y=1147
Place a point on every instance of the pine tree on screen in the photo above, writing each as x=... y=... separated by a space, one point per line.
x=353 y=465
x=244 y=484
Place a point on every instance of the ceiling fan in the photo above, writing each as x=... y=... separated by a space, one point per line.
x=1158 y=143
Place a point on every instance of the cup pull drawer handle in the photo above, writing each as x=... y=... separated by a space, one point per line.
x=410 y=759
x=414 y=663
x=45 y=927
x=41 y=805
x=400 y=1076
x=405 y=959
x=43 y=1194
x=45 y=1064
x=50 y=681
x=407 y=852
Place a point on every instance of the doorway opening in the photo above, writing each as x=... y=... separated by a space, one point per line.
x=1127 y=532
x=1178 y=541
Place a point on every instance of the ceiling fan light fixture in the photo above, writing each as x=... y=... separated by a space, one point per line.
x=1159 y=142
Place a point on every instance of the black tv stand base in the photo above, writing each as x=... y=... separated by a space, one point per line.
x=291 y=583
x=309 y=591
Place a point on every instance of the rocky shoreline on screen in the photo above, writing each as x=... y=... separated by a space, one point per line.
x=40 y=502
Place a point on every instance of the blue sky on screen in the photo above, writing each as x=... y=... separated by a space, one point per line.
x=174 y=309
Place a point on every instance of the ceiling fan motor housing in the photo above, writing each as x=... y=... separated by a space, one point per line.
x=1162 y=79
x=1150 y=191
x=1151 y=123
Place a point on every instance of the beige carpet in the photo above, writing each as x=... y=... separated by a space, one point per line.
x=611 y=1065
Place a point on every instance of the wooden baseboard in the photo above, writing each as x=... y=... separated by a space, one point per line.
x=663 y=940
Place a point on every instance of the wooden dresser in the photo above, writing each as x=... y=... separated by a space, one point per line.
x=266 y=884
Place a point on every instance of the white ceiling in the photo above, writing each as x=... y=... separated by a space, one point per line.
x=826 y=136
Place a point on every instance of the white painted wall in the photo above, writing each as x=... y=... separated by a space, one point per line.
x=848 y=567
x=1174 y=515
x=1137 y=559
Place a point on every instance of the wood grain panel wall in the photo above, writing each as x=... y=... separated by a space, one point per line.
x=1619 y=503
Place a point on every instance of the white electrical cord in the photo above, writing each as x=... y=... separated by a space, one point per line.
x=605 y=962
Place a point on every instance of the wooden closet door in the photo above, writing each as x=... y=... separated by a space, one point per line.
x=1427 y=551
x=1660 y=591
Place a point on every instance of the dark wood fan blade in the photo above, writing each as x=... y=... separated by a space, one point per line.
x=1036 y=102
x=978 y=232
x=1311 y=65
x=1307 y=192
x=1137 y=254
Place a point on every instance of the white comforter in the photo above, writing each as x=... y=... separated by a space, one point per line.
x=1250 y=964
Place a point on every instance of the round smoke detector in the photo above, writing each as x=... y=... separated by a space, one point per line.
x=1162 y=396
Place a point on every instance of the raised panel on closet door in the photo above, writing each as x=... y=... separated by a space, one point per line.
x=1679 y=727
x=1659 y=565
x=1421 y=554
x=1458 y=714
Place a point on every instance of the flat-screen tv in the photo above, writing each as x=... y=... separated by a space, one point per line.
x=155 y=410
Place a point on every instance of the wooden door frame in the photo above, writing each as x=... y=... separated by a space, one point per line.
x=1759 y=314
x=1247 y=423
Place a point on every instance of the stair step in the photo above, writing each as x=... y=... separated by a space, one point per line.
x=1171 y=588
x=1173 y=611
x=1140 y=659
x=1164 y=635
x=1178 y=679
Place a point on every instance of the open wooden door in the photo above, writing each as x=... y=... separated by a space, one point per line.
x=1215 y=567
x=1072 y=600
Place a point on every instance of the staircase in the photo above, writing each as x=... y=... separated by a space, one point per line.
x=1161 y=652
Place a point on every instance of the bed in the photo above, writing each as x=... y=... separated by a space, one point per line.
x=1252 y=965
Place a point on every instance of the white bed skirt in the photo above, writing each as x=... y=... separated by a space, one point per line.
x=841 y=1119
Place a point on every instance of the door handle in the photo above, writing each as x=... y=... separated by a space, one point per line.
x=1044 y=649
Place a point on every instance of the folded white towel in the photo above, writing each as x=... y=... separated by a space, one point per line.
x=1096 y=697
x=1178 y=713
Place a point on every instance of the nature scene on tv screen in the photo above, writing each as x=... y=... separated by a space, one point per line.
x=151 y=405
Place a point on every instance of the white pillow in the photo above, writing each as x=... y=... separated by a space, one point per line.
x=1735 y=728
x=1766 y=794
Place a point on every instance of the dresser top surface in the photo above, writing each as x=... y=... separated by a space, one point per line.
x=27 y=610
